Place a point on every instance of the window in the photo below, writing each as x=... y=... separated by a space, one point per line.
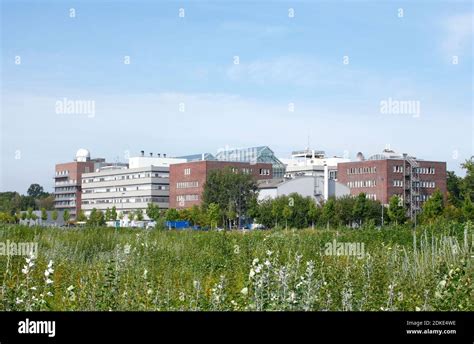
x=187 y=171
x=186 y=185
x=398 y=169
x=398 y=183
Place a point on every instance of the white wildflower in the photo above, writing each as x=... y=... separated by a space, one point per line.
x=245 y=291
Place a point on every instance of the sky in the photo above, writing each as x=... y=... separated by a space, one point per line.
x=185 y=77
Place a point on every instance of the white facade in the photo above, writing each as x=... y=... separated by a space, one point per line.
x=128 y=189
x=305 y=186
x=311 y=163
x=144 y=161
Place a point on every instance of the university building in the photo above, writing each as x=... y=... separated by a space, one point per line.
x=129 y=189
x=390 y=173
x=68 y=181
x=187 y=180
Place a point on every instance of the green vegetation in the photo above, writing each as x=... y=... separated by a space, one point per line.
x=99 y=268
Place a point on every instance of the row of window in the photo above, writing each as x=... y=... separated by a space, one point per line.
x=427 y=184
x=129 y=188
x=371 y=196
x=62 y=173
x=67 y=182
x=422 y=198
x=425 y=170
x=185 y=198
x=362 y=184
x=423 y=184
x=127 y=176
x=186 y=185
x=65 y=188
x=398 y=169
x=245 y=170
x=163 y=199
x=398 y=183
x=362 y=170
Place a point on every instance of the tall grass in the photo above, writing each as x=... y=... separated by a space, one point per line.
x=107 y=269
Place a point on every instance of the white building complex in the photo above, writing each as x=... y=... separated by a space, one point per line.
x=308 y=173
x=146 y=180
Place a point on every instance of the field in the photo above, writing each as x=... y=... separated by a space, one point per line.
x=106 y=269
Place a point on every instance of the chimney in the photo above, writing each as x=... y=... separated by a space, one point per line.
x=151 y=154
x=142 y=153
x=164 y=155
x=159 y=154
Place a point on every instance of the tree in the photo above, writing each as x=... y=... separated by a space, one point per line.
x=153 y=211
x=468 y=209
x=35 y=191
x=46 y=201
x=213 y=214
x=195 y=215
x=139 y=215
x=81 y=217
x=96 y=218
x=360 y=210
x=314 y=213
x=231 y=190
x=287 y=212
x=44 y=214
x=396 y=210
x=329 y=212
x=343 y=209
x=54 y=215
x=454 y=186
x=107 y=214
x=66 y=216
x=113 y=214
x=467 y=184
x=172 y=215
x=433 y=207
x=29 y=214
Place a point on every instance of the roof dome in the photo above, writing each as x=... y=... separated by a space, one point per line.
x=83 y=155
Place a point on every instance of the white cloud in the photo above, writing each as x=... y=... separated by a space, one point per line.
x=291 y=70
x=458 y=33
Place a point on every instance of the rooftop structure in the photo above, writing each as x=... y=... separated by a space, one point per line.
x=253 y=155
x=153 y=160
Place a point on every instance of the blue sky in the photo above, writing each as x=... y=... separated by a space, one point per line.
x=190 y=60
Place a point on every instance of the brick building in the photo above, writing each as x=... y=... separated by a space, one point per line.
x=387 y=174
x=187 y=179
x=68 y=181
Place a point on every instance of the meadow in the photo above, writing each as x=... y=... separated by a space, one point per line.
x=88 y=269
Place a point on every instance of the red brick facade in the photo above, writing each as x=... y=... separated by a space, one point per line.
x=380 y=179
x=187 y=179
x=68 y=181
